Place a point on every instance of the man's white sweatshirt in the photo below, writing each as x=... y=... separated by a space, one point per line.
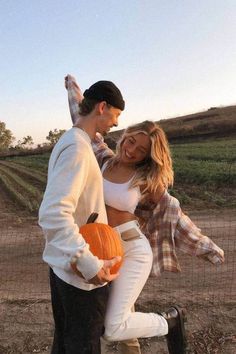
x=74 y=191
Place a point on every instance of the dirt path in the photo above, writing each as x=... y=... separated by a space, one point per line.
x=206 y=291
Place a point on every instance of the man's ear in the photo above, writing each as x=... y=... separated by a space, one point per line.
x=101 y=106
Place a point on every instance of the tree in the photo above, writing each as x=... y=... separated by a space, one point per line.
x=6 y=137
x=54 y=136
x=26 y=143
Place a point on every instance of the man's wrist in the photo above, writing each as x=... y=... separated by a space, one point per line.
x=88 y=264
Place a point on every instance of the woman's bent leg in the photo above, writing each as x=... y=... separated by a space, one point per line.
x=120 y=322
x=129 y=346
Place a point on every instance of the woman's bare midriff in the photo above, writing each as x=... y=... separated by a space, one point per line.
x=117 y=217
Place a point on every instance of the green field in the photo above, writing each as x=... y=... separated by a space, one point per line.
x=205 y=175
x=206 y=171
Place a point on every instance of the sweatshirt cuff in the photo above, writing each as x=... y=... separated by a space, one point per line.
x=88 y=264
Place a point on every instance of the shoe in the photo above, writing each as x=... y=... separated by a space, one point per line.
x=176 y=337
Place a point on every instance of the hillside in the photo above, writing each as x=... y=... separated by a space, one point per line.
x=215 y=122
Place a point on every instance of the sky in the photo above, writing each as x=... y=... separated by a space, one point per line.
x=169 y=58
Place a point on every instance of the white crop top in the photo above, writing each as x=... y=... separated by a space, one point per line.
x=120 y=196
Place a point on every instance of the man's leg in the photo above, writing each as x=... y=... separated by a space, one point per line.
x=58 y=314
x=83 y=318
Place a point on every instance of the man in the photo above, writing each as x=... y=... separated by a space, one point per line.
x=74 y=191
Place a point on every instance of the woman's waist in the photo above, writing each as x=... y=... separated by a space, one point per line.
x=117 y=217
x=129 y=230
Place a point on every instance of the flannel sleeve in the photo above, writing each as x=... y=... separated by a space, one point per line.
x=188 y=238
x=75 y=96
x=101 y=150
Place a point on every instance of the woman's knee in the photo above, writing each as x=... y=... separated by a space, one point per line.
x=113 y=333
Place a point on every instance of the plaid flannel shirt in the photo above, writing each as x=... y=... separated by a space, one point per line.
x=164 y=224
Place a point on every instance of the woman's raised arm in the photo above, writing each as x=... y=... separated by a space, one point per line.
x=75 y=96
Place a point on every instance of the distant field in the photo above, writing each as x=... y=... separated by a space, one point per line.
x=211 y=163
x=205 y=175
x=205 y=171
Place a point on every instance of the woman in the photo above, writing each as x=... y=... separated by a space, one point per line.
x=149 y=221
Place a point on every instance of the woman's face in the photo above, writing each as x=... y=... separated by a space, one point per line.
x=135 y=148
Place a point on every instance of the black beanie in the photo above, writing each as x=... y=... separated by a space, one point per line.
x=106 y=91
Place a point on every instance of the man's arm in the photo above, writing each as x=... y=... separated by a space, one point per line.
x=65 y=184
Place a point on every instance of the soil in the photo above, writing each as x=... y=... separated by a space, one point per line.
x=206 y=291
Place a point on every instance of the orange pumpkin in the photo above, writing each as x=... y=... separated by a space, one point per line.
x=103 y=240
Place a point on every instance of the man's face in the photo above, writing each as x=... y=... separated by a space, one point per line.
x=108 y=119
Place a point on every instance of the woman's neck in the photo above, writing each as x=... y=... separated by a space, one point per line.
x=126 y=166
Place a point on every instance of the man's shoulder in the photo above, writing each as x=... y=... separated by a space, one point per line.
x=70 y=146
x=72 y=138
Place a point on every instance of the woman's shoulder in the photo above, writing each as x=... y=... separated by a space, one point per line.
x=152 y=197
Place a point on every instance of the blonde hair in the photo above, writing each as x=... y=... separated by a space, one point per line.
x=156 y=169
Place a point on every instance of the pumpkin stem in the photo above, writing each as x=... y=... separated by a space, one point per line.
x=92 y=218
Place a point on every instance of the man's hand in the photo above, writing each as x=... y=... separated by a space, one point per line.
x=104 y=275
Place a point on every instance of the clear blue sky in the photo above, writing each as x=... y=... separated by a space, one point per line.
x=168 y=57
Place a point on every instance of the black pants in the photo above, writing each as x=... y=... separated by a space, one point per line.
x=79 y=317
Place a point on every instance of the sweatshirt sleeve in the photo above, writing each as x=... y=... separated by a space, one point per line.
x=65 y=184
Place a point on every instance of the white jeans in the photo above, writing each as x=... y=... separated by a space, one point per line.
x=120 y=322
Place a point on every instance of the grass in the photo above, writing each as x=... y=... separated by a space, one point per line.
x=216 y=150
x=206 y=171
x=209 y=163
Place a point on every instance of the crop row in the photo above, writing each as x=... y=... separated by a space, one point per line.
x=25 y=172
x=21 y=187
x=35 y=163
